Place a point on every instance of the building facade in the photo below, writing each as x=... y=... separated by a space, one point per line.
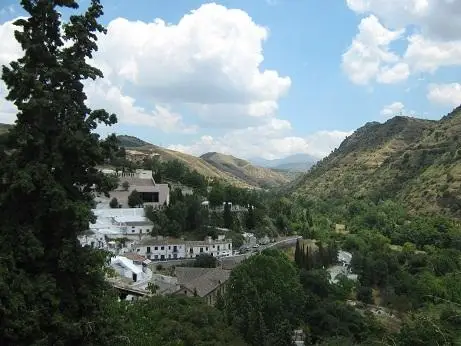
x=215 y=248
x=170 y=249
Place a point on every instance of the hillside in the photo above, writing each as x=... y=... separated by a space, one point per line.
x=292 y=163
x=253 y=177
x=4 y=128
x=412 y=160
x=244 y=170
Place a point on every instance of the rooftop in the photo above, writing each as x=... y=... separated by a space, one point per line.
x=202 y=280
x=164 y=241
x=126 y=263
x=119 y=212
x=134 y=257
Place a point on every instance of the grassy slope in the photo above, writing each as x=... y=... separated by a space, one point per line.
x=245 y=170
x=415 y=161
x=194 y=163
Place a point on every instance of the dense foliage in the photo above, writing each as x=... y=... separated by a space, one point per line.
x=53 y=290
x=175 y=322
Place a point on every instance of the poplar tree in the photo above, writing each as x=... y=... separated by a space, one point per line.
x=52 y=290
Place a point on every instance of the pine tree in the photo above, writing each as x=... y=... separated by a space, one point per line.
x=53 y=290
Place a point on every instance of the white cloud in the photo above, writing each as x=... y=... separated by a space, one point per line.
x=426 y=55
x=445 y=94
x=102 y=94
x=269 y=141
x=393 y=109
x=9 y=50
x=437 y=19
x=208 y=64
x=397 y=73
x=369 y=51
x=434 y=40
x=209 y=60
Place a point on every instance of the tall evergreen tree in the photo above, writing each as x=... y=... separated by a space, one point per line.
x=297 y=254
x=52 y=290
x=227 y=216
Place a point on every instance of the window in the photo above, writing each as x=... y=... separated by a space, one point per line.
x=169 y=247
x=162 y=248
x=156 y=248
x=155 y=197
x=228 y=246
x=218 y=247
x=175 y=255
x=206 y=249
x=148 y=249
x=133 y=230
x=156 y=256
x=162 y=257
x=201 y=249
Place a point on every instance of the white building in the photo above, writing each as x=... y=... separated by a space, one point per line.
x=216 y=248
x=121 y=221
x=94 y=240
x=126 y=268
x=156 y=195
x=158 y=249
x=344 y=258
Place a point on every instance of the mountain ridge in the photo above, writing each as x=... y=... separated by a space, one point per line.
x=243 y=169
x=251 y=177
x=414 y=161
x=297 y=162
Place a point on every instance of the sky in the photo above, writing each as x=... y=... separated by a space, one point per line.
x=265 y=78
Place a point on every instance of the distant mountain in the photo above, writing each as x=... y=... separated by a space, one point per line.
x=254 y=175
x=414 y=161
x=234 y=171
x=295 y=163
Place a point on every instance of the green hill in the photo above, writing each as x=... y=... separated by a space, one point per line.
x=415 y=161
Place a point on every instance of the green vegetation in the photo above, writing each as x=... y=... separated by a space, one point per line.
x=413 y=161
x=175 y=322
x=53 y=289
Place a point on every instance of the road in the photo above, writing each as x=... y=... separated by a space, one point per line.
x=230 y=262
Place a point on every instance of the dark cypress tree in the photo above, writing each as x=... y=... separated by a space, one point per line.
x=53 y=290
x=297 y=254
x=227 y=216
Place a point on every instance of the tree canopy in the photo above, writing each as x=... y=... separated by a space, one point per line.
x=53 y=289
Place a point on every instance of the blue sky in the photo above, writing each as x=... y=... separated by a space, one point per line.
x=267 y=78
